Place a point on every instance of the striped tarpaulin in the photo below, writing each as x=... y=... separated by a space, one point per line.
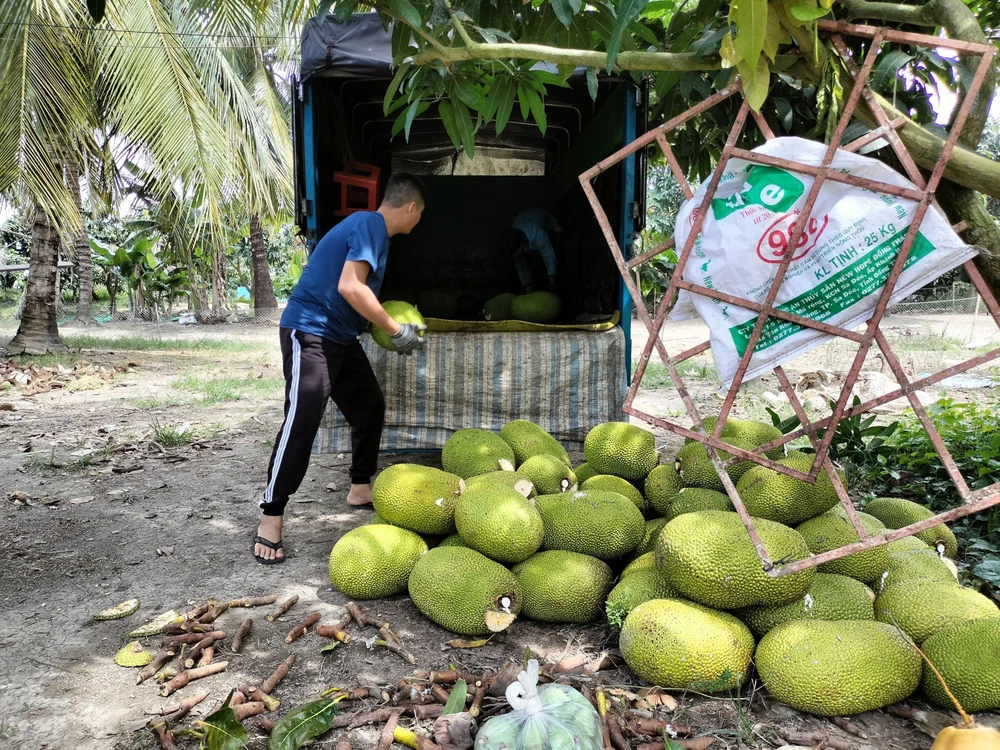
x=567 y=382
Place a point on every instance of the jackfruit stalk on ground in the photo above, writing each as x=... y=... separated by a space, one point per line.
x=528 y=439
x=468 y=453
x=372 y=562
x=621 y=449
x=682 y=645
x=612 y=483
x=604 y=525
x=895 y=513
x=662 y=486
x=560 y=586
x=464 y=591
x=418 y=498
x=968 y=657
x=837 y=668
x=709 y=558
x=831 y=597
x=921 y=608
x=499 y=522
x=634 y=589
x=832 y=530
x=548 y=474
x=695 y=499
x=769 y=494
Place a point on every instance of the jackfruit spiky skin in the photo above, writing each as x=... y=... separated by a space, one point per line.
x=831 y=597
x=906 y=544
x=612 y=483
x=401 y=312
x=769 y=494
x=837 y=668
x=438 y=304
x=639 y=564
x=499 y=522
x=604 y=525
x=696 y=470
x=505 y=478
x=377 y=520
x=452 y=540
x=968 y=657
x=584 y=472
x=560 y=586
x=757 y=433
x=662 y=486
x=461 y=590
x=133 y=655
x=468 y=453
x=831 y=530
x=498 y=308
x=536 y=307
x=372 y=562
x=528 y=439
x=633 y=590
x=709 y=558
x=695 y=499
x=922 y=608
x=895 y=513
x=418 y=498
x=119 y=611
x=682 y=645
x=912 y=565
x=548 y=474
x=621 y=449
x=650 y=534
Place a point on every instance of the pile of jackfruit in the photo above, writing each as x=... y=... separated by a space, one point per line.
x=509 y=529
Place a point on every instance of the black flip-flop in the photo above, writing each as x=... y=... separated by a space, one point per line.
x=270 y=545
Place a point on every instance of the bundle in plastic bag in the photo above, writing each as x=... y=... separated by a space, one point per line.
x=550 y=717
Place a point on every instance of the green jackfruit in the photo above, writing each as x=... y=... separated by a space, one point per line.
x=498 y=308
x=418 y=498
x=536 y=307
x=633 y=590
x=612 y=483
x=696 y=470
x=621 y=449
x=906 y=544
x=695 y=499
x=468 y=453
x=662 y=486
x=709 y=558
x=649 y=536
x=769 y=494
x=464 y=591
x=914 y=564
x=681 y=645
x=560 y=586
x=895 y=513
x=133 y=655
x=452 y=540
x=756 y=433
x=119 y=611
x=499 y=522
x=968 y=657
x=584 y=472
x=639 y=564
x=921 y=608
x=528 y=439
x=513 y=479
x=401 y=312
x=837 y=668
x=832 y=530
x=548 y=474
x=372 y=562
x=604 y=525
x=377 y=520
x=831 y=597
x=438 y=305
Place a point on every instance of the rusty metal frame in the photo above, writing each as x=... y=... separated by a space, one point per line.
x=922 y=194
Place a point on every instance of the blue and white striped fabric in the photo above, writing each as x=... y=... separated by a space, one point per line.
x=567 y=382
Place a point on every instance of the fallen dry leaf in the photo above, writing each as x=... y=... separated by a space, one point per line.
x=80 y=500
x=459 y=643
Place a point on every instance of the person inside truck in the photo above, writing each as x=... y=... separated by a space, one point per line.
x=530 y=247
x=335 y=298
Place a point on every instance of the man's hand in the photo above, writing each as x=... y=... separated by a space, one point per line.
x=406 y=339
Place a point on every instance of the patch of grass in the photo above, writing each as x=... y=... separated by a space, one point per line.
x=45 y=360
x=89 y=460
x=217 y=390
x=657 y=375
x=171 y=437
x=147 y=403
x=7 y=730
x=928 y=342
x=41 y=462
x=143 y=343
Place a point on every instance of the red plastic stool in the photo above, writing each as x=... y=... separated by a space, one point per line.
x=358 y=188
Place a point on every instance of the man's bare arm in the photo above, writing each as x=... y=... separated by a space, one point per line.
x=352 y=288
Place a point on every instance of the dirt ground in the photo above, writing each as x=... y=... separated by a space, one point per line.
x=96 y=511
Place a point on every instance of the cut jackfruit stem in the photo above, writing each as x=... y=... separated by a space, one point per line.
x=506 y=465
x=498 y=621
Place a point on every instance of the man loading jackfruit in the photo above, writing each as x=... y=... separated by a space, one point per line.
x=528 y=244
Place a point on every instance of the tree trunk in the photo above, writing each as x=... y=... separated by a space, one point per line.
x=81 y=248
x=38 y=332
x=962 y=204
x=265 y=304
x=218 y=281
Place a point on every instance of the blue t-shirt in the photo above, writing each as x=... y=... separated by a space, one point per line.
x=316 y=306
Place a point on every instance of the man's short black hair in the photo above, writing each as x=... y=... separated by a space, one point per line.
x=404 y=188
x=513 y=241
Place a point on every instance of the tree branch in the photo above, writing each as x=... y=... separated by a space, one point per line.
x=459 y=26
x=651 y=61
x=911 y=15
x=423 y=33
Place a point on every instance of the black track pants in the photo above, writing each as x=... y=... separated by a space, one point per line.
x=315 y=371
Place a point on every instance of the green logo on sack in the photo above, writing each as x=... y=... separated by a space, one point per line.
x=770 y=187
